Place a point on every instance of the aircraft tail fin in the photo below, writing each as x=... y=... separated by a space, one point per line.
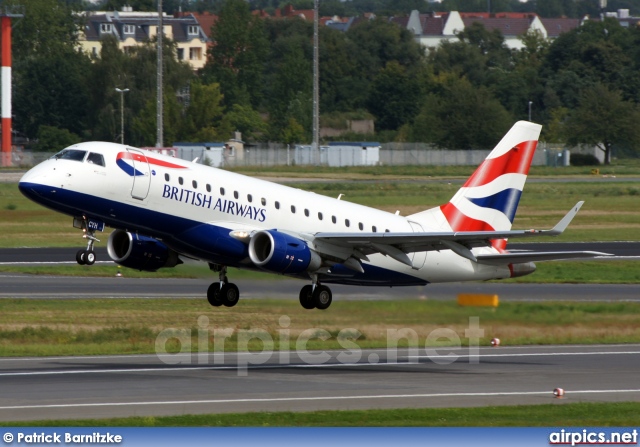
x=489 y=198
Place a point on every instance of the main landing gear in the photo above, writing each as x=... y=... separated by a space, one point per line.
x=222 y=292
x=87 y=256
x=315 y=296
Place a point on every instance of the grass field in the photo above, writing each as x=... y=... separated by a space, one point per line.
x=33 y=327
x=558 y=414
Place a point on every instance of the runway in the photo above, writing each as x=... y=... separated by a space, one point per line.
x=51 y=287
x=113 y=386
x=69 y=287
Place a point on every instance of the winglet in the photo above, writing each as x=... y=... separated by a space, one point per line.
x=565 y=221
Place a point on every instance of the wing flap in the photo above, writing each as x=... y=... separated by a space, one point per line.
x=397 y=245
x=522 y=257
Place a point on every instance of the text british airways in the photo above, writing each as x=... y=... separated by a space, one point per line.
x=207 y=201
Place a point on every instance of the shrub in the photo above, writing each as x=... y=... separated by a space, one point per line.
x=584 y=160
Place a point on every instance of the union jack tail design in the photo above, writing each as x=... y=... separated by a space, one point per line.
x=489 y=198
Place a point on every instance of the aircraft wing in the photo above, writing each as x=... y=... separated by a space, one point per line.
x=397 y=245
x=534 y=256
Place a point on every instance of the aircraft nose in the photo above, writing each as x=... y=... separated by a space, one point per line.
x=32 y=182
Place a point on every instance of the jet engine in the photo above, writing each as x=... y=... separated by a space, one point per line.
x=281 y=253
x=522 y=269
x=140 y=252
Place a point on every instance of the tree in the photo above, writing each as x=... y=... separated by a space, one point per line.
x=595 y=52
x=236 y=59
x=394 y=97
x=290 y=86
x=340 y=81
x=52 y=90
x=461 y=116
x=53 y=139
x=293 y=132
x=245 y=120
x=378 y=42
x=49 y=73
x=371 y=46
x=489 y=43
x=203 y=119
x=139 y=73
x=459 y=58
x=604 y=119
x=47 y=27
x=107 y=72
x=554 y=131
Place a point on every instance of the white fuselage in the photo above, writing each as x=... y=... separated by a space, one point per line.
x=192 y=208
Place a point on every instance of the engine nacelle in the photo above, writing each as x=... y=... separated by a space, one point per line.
x=522 y=269
x=140 y=252
x=280 y=253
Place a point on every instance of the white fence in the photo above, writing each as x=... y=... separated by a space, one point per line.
x=390 y=154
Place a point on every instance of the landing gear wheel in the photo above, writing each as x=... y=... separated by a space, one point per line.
x=81 y=257
x=89 y=257
x=322 y=297
x=213 y=294
x=306 y=297
x=229 y=294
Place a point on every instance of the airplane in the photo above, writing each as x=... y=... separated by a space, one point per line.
x=164 y=209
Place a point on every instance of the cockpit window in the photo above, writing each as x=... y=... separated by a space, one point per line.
x=70 y=154
x=96 y=159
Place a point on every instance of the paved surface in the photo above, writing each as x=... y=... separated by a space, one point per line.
x=84 y=387
x=28 y=286
x=55 y=287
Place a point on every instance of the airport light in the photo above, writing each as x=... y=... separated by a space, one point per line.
x=122 y=92
x=530 y=102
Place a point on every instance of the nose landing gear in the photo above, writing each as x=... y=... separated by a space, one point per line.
x=89 y=228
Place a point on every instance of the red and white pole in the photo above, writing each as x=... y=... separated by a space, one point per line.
x=5 y=31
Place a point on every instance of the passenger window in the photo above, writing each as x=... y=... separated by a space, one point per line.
x=195 y=184
x=387 y=231
x=180 y=180
x=374 y=229
x=293 y=209
x=208 y=187
x=333 y=219
x=166 y=177
x=221 y=191
x=263 y=201
x=346 y=222
x=306 y=212
x=96 y=159
x=277 y=205
x=235 y=194
x=361 y=226
x=319 y=216
x=249 y=198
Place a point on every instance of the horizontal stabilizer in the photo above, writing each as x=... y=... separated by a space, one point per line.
x=522 y=257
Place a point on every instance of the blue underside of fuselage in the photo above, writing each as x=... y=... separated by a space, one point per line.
x=192 y=238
